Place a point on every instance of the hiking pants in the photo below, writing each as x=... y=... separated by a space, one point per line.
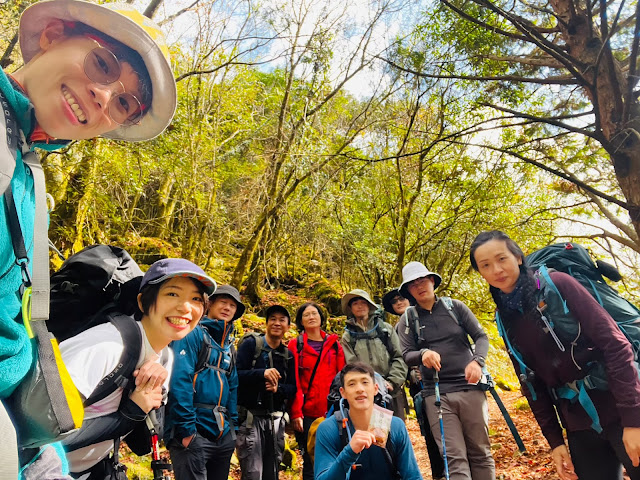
x=435 y=458
x=598 y=456
x=8 y=446
x=259 y=449
x=465 y=416
x=203 y=459
x=301 y=438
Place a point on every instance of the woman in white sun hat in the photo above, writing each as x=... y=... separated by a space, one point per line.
x=89 y=70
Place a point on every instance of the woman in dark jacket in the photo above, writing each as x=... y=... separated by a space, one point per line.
x=319 y=357
x=595 y=455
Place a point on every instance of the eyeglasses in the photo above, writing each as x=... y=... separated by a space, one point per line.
x=419 y=281
x=397 y=299
x=102 y=66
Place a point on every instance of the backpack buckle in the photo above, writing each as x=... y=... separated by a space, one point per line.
x=23 y=263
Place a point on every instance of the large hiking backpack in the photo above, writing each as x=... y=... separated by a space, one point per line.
x=90 y=284
x=97 y=285
x=575 y=260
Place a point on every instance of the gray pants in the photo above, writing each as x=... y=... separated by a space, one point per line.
x=259 y=449
x=8 y=446
x=465 y=416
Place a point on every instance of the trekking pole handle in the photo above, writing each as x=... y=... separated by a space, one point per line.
x=436 y=377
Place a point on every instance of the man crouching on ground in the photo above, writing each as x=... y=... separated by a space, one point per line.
x=334 y=458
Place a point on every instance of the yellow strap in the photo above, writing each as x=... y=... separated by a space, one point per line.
x=26 y=311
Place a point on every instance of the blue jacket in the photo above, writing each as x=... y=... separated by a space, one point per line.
x=211 y=386
x=333 y=460
x=15 y=349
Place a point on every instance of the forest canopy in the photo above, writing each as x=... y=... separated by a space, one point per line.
x=326 y=144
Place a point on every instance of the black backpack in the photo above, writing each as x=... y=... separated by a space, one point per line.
x=98 y=280
x=97 y=285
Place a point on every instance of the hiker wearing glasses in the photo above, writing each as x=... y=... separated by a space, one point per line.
x=434 y=335
x=395 y=304
x=89 y=71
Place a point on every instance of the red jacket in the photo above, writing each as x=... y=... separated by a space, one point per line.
x=314 y=403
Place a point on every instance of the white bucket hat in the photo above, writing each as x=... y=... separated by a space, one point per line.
x=126 y=25
x=414 y=270
x=346 y=309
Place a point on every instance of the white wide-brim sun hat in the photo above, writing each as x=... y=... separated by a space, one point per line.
x=126 y=25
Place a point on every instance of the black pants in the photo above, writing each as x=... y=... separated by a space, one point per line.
x=203 y=459
x=301 y=437
x=600 y=456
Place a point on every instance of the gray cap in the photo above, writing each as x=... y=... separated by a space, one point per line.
x=346 y=309
x=232 y=292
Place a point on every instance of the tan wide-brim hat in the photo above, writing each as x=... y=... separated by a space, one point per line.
x=346 y=309
x=128 y=26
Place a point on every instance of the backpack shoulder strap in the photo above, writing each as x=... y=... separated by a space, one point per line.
x=448 y=303
x=391 y=459
x=204 y=353
x=122 y=374
x=385 y=336
x=412 y=317
x=259 y=347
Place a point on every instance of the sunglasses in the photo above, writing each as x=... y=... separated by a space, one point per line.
x=102 y=66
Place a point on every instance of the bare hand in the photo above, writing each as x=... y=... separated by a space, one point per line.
x=297 y=424
x=271 y=387
x=431 y=359
x=361 y=439
x=150 y=375
x=271 y=375
x=563 y=463
x=631 y=440
x=389 y=386
x=147 y=400
x=186 y=441
x=473 y=372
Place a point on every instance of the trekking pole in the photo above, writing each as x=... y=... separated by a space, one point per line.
x=436 y=380
x=276 y=465
x=158 y=466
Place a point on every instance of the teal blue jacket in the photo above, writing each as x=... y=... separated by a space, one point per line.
x=16 y=354
x=217 y=386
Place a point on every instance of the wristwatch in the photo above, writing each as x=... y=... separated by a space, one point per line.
x=479 y=359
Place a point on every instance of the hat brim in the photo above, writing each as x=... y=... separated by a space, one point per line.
x=240 y=307
x=346 y=309
x=388 y=297
x=437 y=280
x=164 y=94
x=208 y=282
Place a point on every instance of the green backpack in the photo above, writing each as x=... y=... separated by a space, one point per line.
x=575 y=260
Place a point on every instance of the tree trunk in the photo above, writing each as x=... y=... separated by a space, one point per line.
x=606 y=90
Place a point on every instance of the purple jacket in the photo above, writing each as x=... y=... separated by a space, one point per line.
x=554 y=368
